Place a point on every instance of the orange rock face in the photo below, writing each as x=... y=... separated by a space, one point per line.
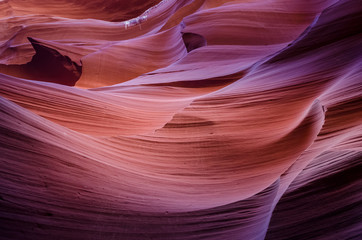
x=190 y=119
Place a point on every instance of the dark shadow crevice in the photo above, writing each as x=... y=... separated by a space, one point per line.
x=47 y=65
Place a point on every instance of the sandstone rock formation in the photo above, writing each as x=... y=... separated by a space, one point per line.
x=181 y=119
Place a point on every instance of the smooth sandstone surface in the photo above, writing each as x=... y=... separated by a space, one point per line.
x=181 y=119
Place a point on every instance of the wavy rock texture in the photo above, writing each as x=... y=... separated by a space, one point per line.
x=190 y=119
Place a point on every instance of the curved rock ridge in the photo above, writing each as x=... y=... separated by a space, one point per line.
x=113 y=10
x=181 y=120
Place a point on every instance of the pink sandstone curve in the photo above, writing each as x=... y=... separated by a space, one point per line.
x=181 y=119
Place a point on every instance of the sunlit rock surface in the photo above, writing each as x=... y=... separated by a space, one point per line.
x=187 y=119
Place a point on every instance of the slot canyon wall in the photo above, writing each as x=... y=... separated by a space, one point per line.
x=181 y=119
